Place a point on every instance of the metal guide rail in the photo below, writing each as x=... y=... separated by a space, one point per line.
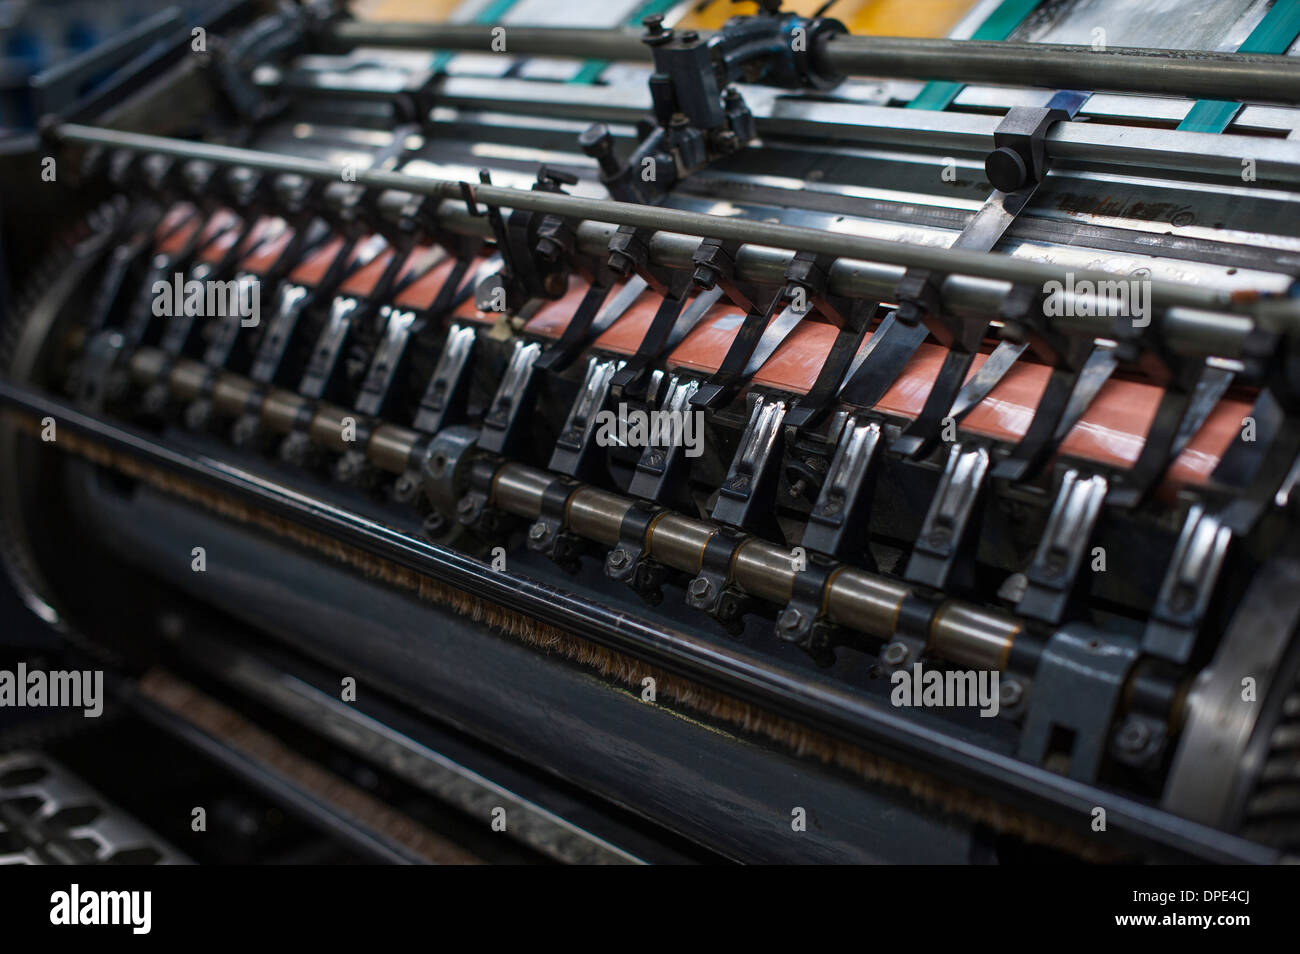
x=877 y=422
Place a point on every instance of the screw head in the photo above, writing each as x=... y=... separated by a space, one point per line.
x=618 y=559
x=1010 y=693
x=1134 y=736
x=198 y=415
x=538 y=532
x=405 y=488
x=243 y=431
x=895 y=653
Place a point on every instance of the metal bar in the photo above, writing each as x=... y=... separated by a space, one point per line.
x=579 y=42
x=1278 y=313
x=1183 y=73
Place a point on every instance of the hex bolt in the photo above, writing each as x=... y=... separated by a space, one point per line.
x=538 y=532
x=701 y=588
x=790 y=622
x=618 y=559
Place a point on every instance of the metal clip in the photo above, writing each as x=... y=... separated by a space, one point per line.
x=387 y=360
x=660 y=473
x=501 y=423
x=445 y=395
x=747 y=495
x=324 y=359
x=573 y=449
x=944 y=532
x=1188 y=585
x=838 y=521
x=1053 y=575
x=293 y=300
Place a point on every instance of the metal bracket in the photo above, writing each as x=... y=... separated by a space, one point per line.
x=1077 y=686
x=549 y=535
x=1018 y=158
x=629 y=563
x=712 y=590
x=803 y=621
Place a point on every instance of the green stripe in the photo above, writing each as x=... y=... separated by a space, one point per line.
x=592 y=69
x=1274 y=34
x=999 y=25
x=488 y=16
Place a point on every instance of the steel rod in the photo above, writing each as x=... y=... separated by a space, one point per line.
x=1271 y=313
x=1184 y=73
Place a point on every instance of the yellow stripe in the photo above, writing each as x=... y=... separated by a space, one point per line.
x=924 y=18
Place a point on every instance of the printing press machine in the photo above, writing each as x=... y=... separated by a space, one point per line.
x=618 y=404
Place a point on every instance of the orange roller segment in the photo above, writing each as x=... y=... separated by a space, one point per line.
x=172 y=219
x=265 y=255
x=180 y=237
x=624 y=336
x=703 y=349
x=422 y=292
x=313 y=268
x=215 y=250
x=554 y=316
